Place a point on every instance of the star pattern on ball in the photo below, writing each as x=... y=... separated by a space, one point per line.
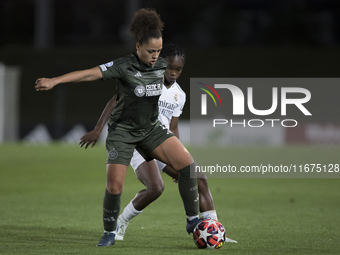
x=220 y=235
x=204 y=233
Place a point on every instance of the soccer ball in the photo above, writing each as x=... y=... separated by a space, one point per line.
x=209 y=234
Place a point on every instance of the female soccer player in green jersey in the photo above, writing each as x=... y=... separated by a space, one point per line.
x=134 y=122
x=171 y=104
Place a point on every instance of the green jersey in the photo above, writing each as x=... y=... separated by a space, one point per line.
x=138 y=89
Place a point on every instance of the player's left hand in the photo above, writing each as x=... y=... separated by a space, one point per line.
x=90 y=137
x=44 y=84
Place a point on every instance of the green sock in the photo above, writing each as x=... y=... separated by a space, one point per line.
x=111 y=208
x=188 y=190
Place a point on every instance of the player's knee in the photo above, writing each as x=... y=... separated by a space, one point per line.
x=114 y=187
x=183 y=160
x=155 y=191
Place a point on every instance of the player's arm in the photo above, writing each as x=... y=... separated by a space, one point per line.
x=92 y=136
x=91 y=74
x=174 y=126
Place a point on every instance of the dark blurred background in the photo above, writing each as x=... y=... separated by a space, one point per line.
x=230 y=38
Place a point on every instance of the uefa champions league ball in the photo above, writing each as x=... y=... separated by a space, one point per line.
x=209 y=234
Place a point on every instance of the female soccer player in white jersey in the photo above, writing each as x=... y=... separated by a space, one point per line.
x=134 y=123
x=171 y=103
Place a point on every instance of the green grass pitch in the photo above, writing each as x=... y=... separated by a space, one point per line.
x=51 y=203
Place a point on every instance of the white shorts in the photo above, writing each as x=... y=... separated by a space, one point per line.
x=138 y=159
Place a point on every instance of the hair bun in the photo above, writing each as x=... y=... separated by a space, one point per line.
x=146 y=24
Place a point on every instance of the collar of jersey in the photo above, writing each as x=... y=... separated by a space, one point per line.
x=171 y=85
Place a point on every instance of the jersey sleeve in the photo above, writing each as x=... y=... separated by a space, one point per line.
x=111 y=70
x=178 y=111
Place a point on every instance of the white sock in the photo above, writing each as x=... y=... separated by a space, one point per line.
x=192 y=217
x=209 y=215
x=129 y=212
x=114 y=232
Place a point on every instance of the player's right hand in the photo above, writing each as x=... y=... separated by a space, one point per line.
x=90 y=137
x=175 y=180
x=44 y=84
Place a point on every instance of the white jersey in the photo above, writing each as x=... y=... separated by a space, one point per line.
x=170 y=104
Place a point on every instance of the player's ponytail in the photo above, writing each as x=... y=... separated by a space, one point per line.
x=146 y=24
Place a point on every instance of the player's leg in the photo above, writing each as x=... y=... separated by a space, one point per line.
x=207 y=207
x=115 y=176
x=173 y=153
x=148 y=174
x=206 y=203
x=119 y=150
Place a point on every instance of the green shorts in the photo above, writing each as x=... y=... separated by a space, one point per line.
x=121 y=143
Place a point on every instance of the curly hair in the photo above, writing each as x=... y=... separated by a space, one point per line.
x=146 y=24
x=171 y=49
